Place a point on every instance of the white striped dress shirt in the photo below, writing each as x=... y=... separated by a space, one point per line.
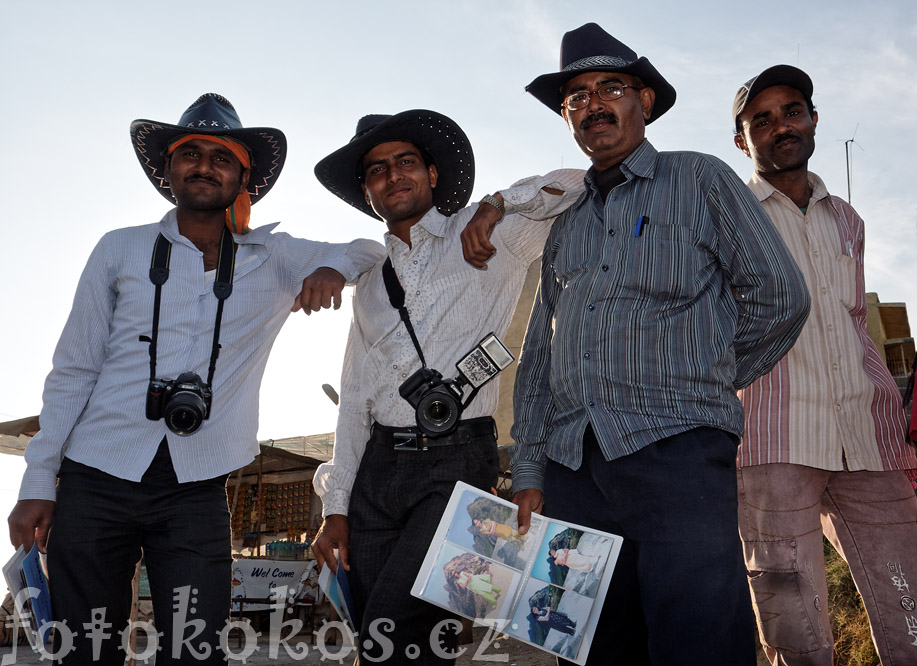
x=831 y=399
x=452 y=306
x=94 y=398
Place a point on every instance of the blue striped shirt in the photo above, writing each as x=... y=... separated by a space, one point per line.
x=95 y=396
x=654 y=308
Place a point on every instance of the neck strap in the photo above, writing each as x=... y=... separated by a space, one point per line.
x=396 y=298
x=222 y=288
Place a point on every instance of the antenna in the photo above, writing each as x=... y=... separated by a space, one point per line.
x=849 y=158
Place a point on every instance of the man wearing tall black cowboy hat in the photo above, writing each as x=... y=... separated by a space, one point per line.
x=153 y=395
x=395 y=462
x=824 y=450
x=663 y=290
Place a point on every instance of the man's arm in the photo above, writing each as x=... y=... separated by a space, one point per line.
x=78 y=359
x=334 y=480
x=769 y=290
x=536 y=199
x=533 y=405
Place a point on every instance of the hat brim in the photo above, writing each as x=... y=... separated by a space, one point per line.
x=437 y=134
x=266 y=145
x=548 y=88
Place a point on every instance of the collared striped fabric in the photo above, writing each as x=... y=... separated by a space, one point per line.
x=653 y=309
x=452 y=306
x=831 y=402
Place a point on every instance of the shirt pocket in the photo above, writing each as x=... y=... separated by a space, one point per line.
x=457 y=307
x=662 y=262
x=845 y=280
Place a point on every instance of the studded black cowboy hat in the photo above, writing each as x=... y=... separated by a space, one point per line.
x=441 y=138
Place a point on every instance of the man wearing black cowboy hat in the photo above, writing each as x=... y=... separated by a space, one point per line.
x=135 y=444
x=824 y=450
x=663 y=290
x=388 y=484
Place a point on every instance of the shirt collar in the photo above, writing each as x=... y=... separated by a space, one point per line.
x=763 y=190
x=641 y=163
x=433 y=222
x=169 y=228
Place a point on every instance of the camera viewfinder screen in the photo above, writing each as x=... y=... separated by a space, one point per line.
x=495 y=349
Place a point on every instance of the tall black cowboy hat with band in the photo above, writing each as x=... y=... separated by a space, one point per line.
x=211 y=114
x=440 y=137
x=591 y=49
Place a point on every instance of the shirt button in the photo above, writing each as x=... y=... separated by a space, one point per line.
x=394 y=367
x=605 y=267
x=838 y=407
x=417 y=293
x=403 y=375
x=592 y=306
x=587 y=355
x=611 y=232
x=592 y=403
x=824 y=290
x=834 y=366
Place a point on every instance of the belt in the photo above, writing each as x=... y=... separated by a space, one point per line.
x=411 y=439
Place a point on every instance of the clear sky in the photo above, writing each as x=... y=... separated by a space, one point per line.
x=75 y=74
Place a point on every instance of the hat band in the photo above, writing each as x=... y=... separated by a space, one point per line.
x=597 y=61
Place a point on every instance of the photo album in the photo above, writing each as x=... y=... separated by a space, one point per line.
x=545 y=587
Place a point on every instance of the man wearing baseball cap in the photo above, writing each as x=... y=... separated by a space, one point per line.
x=663 y=290
x=824 y=449
x=153 y=395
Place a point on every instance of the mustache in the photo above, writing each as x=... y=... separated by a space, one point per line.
x=786 y=136
x=200 y=176
x=589 y=121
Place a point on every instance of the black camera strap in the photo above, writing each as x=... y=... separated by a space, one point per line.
x=396 y=298
x=222 y=288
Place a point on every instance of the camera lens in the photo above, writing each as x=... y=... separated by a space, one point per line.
x=438 y=413
x=184 y=412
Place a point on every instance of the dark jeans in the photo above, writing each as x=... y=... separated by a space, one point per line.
x=679 y=593
x=398 y=500
x=101 y=526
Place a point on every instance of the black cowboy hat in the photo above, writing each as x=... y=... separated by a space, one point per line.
x=440 y=137
x=591 y=49
x=778 y=75
x=211 y=114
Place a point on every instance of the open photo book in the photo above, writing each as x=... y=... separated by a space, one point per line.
x=545 y=587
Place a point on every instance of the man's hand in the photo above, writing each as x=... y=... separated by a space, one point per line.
x=334 y=533
x=29 y=522
x=319 y=290
x=528 y=500
x=476 y=245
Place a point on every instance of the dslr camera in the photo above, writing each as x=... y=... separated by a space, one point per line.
x=184 y=402
x=437 y=402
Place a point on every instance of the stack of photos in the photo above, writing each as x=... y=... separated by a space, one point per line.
x=545 y=587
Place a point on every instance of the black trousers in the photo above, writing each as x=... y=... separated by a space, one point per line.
x=101 y=526
x=397 y=501
x=679 y=593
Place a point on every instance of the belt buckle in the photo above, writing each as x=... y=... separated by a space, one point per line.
x=408 y=441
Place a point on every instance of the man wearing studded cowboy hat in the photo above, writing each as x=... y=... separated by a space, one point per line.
x=384 y=494
x=824 y=448
x=663 y=290
x=135 y=445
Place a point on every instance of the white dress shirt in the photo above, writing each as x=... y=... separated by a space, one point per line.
x=95 y=396
x=452 y=306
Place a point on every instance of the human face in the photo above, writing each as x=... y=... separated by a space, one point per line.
x=397 y=183
x=778 y=132
x=607 y=132
x=205 y=176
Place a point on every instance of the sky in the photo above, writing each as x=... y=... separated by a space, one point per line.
x=76 y=74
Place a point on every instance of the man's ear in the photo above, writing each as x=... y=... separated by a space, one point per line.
x=365 y=193
x=647 y=100
x=740 y=143
x=243 y=179
x=434 y=175
x=814 y=119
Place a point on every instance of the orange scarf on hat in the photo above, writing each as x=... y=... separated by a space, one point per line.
x=239 y=213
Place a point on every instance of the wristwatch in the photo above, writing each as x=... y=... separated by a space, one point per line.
x=495 y=202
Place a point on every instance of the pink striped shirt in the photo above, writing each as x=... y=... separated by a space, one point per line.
x=831 y=402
